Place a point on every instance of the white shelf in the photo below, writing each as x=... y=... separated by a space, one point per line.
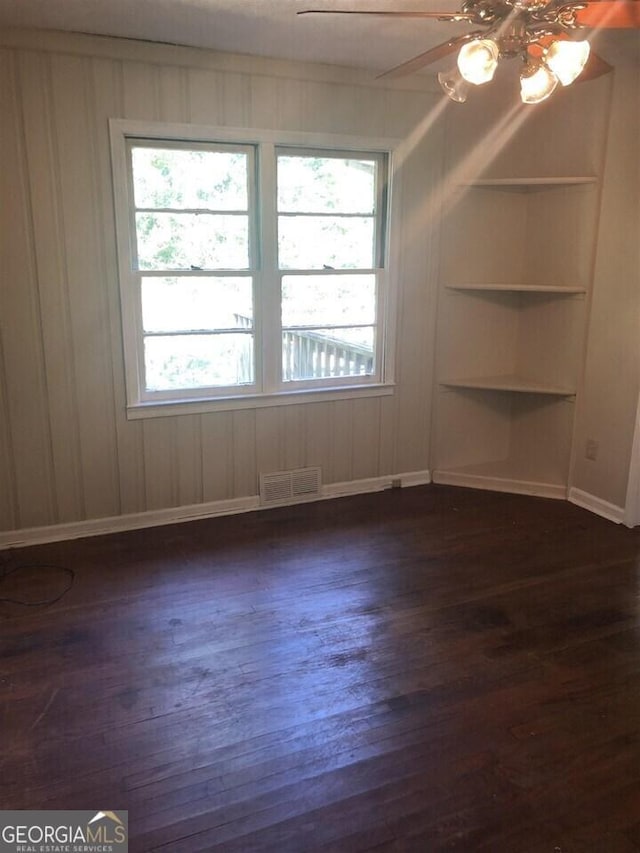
x=519 y=288
x=529 y=184
x=508 y=383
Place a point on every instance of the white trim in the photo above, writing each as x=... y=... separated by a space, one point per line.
x=121 y=129
x=632 y=500
x=193 y=512
x=500 y=484
x=285 y=398
x=375 y=484
x=353 y=487
x=598 y=505
x=414 y=478
x=120 y=523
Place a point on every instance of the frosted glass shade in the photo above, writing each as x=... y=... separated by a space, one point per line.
x=536 y=84
x=478 y=60
x=454 y=85
x=567 y=59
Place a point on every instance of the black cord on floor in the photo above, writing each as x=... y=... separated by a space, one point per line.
x=7 y=572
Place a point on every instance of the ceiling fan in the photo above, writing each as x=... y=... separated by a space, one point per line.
x=545 y=34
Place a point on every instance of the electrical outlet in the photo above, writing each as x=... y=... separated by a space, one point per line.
x=591 y=449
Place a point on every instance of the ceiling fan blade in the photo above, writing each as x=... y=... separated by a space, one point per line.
x=596 y=66
x=609 y=14
x=440 y=16
x=432 y=55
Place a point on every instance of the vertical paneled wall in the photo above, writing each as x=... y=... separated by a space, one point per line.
x=67 y=451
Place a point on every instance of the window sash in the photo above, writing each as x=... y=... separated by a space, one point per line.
x=316 y=350
x=146 y=395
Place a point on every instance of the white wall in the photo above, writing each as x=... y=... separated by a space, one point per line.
x=607 y=406
x=67 y=452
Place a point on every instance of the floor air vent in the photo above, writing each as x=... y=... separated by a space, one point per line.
x=282 y=487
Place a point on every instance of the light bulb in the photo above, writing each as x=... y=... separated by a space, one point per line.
x=454 y=85
x=536 y=83
x=478 y=60
x=567 y=59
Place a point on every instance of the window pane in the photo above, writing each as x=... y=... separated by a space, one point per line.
x=186 y=304
x=169 y=177
x=317 y=242
x=319 y=300
x=198 y=361
x=326 y=184
x=172 y=241
x=327 y=352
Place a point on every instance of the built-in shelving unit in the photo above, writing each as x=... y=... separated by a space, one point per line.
x=515 y=269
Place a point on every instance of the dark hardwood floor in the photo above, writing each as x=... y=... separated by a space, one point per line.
x=416 y=670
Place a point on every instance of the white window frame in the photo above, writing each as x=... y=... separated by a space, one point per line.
x=269 y=389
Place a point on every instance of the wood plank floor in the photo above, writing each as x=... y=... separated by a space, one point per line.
x=416 y=670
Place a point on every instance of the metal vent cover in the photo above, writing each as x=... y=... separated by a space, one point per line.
x=281 y=487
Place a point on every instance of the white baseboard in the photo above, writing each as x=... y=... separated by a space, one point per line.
x=120 y=523
x=194 y=512
x=500 y=484
x=600 y=507
x=234 y=506
x=376 y=484
x=414 y=478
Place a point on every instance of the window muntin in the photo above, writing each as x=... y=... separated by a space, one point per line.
x=208 y=310
x=198 y=332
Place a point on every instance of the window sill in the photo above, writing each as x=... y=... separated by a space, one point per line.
x=168 y=408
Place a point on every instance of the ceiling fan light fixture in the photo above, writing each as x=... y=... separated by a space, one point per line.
x=566 y=59
x=537 y=82
x=454 y=85
x=478 y=60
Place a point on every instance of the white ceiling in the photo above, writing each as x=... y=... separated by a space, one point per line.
x=271 y=27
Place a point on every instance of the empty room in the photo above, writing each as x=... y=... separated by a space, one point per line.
x=319 y=426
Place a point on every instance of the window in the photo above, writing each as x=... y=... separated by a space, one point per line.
x=250 y=270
